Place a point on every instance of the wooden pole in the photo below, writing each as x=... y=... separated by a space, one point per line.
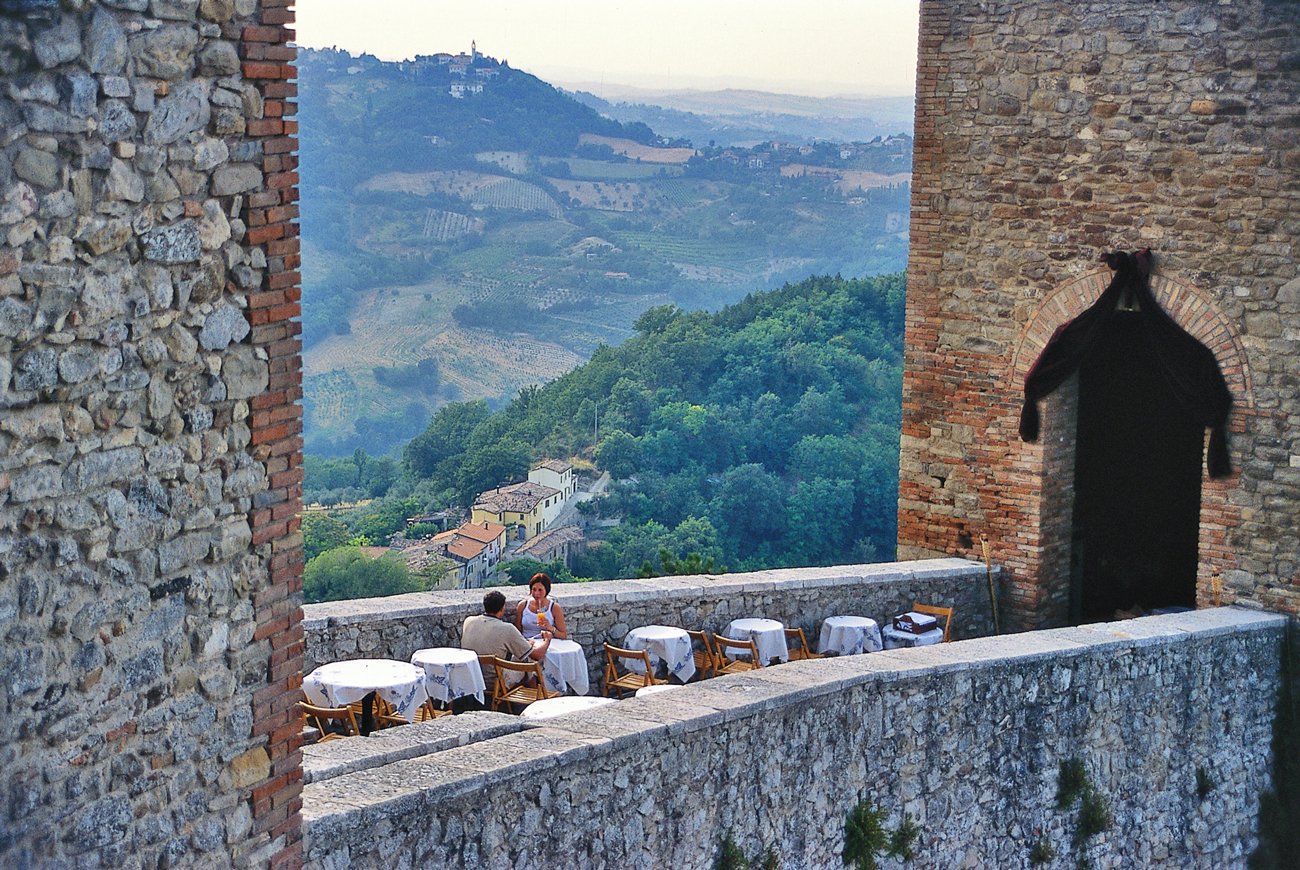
x=993 y=595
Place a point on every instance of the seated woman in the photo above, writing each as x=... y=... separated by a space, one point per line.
x=538 y=613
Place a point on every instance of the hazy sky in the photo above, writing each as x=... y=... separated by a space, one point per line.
x=818 y=48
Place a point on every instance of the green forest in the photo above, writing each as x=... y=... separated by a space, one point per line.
x=762 y=435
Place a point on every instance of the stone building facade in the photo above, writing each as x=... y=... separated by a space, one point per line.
x=150 y=478
x=1050 y=132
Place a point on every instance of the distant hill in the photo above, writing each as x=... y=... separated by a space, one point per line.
x=472 y=230
x=745 y=117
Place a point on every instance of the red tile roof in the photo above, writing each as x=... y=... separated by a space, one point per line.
x=484 y=531
x=464 y=548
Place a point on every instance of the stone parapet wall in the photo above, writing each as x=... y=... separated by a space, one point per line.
x=1046 y=133
x=597 y=613
x=968 y=739
x=150 y=474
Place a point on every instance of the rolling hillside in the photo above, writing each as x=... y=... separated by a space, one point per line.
x=496 y=238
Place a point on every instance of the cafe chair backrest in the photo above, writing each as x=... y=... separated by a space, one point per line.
x=630 y=681
x=505 y=696
x=332 y=722
x=706 y=660
x=741 y=647
x=795 y=636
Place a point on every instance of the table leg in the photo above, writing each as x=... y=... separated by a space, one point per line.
x=367 y=714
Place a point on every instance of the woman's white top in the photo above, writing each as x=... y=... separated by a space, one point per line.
x=528 y=622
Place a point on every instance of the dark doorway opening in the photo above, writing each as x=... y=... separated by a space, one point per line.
x=1137 y=481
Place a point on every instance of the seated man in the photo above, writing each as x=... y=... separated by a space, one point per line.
x=489 y=634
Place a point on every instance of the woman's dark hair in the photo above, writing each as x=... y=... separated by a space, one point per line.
x=543 y=578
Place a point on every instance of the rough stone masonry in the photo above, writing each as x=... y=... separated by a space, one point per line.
x=1047 y=132
x=149 y=467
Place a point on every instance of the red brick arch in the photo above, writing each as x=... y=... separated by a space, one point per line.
x=1190 y=306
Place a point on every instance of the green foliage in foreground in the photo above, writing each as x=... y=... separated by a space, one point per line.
x=348 y=572
x=865 y=837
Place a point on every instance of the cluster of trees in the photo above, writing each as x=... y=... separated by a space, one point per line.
x=422 y=376
x=762 y=435
x=360 y=476
x=765 y=434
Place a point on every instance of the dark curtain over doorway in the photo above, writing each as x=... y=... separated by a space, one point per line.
x=1147 y=391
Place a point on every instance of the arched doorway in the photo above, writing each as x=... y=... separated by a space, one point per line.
x=1127 y=515
x=1137 y=481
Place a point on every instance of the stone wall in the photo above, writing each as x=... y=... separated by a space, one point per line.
x=597 y=613
x=966 y=738
x=149 y=467
x=1048 y=132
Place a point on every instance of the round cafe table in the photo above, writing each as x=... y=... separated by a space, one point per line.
x=666 y=644
x=895 y=639
x=768 y=636
x=849 y=636
x=565 y=667
x=548 y=707
x=338 y=684
x=450 y=673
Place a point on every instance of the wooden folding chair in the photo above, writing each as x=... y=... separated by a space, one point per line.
x=706 y=660
x=333 y=723
x=386 y=715
x=802 y=651
x=944 y=613
x=630 y=681
x=737 y=665
x=486 y=664
x=426 y=712
x=504 y=695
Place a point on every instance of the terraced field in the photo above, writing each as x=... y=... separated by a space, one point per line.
x=443 y=226
x=453 y=182
x=698 y=252
x=516 y=195
x=399 y=326
x=637 y=151
x=603 y=170
x=610 y=195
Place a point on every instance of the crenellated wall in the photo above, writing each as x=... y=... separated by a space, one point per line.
x=966 y=738
x=149 y=436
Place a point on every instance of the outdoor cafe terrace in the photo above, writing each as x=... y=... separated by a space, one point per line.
x=776 y=757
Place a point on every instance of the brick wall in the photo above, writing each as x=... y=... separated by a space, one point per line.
x=276 y=426
x=1046 y=133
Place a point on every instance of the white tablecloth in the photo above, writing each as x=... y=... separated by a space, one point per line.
x=663 y=643
x=849 y=635
x=894 y=639
x=450 y=673
x=548 y=707
x=340 y=683
x=768 y=636
x=565 y=667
